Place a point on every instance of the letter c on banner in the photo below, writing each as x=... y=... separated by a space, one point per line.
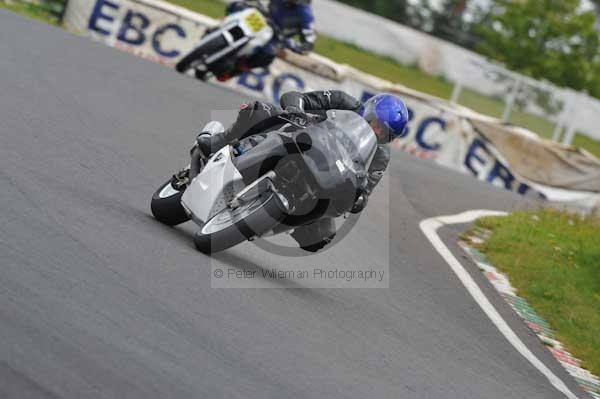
x=280 y=80
x=246 y=78
x=137 y=29
x=420 y=136
x=156 y=40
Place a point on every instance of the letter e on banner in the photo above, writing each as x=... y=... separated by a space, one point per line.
x=473 y=154
x=100 y=14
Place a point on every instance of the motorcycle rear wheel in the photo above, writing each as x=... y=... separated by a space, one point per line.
x=231 y=227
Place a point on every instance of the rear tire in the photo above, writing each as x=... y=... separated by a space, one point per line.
x=166 y=205
x=260 y=221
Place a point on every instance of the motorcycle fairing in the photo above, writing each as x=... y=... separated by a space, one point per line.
x=337 y=154
x=211 y=191
x=247 y=27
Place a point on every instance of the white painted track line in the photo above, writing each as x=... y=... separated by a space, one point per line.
x=429 y=228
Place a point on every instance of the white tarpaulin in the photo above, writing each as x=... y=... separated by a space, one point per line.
x=452 y=136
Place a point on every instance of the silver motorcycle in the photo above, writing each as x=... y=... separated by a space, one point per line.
x=271 y=182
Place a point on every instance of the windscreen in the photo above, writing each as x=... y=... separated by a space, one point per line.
x=338 y=152
x=355 y=135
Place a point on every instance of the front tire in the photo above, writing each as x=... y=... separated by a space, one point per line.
x=258 y=220
x=166 y=205
x=208 y=48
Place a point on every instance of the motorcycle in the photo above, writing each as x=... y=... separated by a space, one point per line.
x=240 y=34
x=270 y=183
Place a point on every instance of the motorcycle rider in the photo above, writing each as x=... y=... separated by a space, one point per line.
x=386 y=113
x=293 y=18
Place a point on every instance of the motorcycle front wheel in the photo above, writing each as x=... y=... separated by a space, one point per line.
x=205 y=49
x=233 y=226
x=166 y=205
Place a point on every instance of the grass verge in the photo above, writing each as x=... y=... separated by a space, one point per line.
x=588 y=143
x=212 y=8
x=553 y=259
x=41 y=12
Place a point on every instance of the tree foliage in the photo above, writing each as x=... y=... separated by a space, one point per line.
x=545 y=39
x=417 y=14
x=555 y=40
x=396 y=10
x=441 y=18
x=448 y=23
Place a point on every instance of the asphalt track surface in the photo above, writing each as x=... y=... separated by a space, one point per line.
x=98 y=300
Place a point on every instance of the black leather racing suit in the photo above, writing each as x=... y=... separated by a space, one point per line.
x=257 y=117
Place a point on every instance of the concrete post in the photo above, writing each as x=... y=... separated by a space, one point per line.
x=512 y=98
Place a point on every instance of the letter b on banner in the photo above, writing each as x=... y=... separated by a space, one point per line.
x=132 y=28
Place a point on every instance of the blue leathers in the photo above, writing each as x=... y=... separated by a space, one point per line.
x=295 y=23
x=294 y=20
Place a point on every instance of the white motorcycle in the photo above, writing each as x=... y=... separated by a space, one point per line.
x=239 y=35
x=270 y=183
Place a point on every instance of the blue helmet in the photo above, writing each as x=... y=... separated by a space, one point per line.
x=390 y=111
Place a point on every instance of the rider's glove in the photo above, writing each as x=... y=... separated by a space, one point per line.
x=305 y=48
x=298 y=48
x=293 y=110
x=296 y=115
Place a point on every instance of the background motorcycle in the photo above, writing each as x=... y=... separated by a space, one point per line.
x=271 y=182
x=239 y=35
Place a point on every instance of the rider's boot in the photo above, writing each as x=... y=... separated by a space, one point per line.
x=315 y=236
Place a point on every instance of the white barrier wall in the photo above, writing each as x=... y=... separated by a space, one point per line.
x=150 y=29
x=163 y=33
x=407 y=45
x=438 y=57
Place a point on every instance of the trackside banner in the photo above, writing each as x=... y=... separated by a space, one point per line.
x=451 y=136
x=150 y=29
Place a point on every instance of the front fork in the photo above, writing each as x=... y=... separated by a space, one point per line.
x=181 y=179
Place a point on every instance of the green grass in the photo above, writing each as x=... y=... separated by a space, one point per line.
x=212 y=8
x=381 y=66
x=33 y=11
x=553 y=259
x=589 y=144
